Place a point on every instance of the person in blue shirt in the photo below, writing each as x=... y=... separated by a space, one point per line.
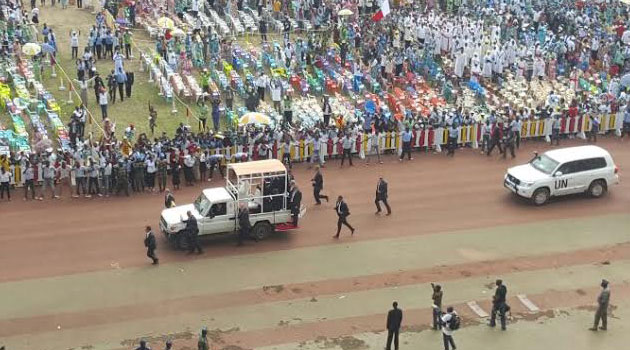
x=121 y=78
x=406 y=144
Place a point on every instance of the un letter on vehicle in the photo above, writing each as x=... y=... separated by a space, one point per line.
x=562 y=184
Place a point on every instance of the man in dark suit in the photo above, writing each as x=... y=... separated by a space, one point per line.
x=151 y=244
x=243 y=223
x=342 y=212
x=192 y=231
x=318 y=186
x=295 y=200
x=381 y=196
x=394 y=319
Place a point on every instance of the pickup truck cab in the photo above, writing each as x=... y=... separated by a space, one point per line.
x=583 y=169
x=262 y=185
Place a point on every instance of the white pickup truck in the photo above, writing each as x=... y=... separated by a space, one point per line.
x=261 y=184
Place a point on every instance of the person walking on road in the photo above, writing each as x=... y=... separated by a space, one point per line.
x=381 y=196
x=202 y=343
x=318 y=186
x=151 y=244
x=192 y=231
x=243 y=223
x=342 y=212
x=499 y=305
x=437 y=305
x=295 y=200
x=450 y=322
x=602 y=307
x=394 y=319
x=495 y=139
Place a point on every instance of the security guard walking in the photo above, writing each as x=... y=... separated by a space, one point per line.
x=151 y=244
x=381 y=196
x=192 y=231
x=318 y=186
x=342 y=213
x=295 y=200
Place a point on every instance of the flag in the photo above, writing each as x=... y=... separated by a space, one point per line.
x=384 y=11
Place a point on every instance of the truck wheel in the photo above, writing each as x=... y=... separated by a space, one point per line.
x=262 y=230
x=540 y=196
x=597 y=188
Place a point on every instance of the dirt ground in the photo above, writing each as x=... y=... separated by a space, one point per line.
x=430 y=194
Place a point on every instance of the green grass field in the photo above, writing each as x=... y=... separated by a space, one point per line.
x=134 y=110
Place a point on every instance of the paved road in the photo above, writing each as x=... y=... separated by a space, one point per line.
x=75 y=272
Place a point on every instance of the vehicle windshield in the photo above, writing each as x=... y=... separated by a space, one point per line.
x=544 y=164
x=202 y=204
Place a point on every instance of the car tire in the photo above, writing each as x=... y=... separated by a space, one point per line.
x=540 y=196
x=597 y=189
x=262 y=230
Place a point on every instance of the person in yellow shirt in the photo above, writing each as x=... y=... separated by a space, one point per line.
x=277 y=6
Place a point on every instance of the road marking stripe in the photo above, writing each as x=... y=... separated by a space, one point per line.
x=528 y=303
x=477 y=309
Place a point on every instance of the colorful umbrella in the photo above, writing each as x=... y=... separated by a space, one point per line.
x=165 y=23
x=31 y=49
x=254 y=118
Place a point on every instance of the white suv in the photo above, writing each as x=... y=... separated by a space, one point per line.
x=563 y=171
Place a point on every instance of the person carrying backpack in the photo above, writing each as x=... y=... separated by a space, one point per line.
x=450 y=322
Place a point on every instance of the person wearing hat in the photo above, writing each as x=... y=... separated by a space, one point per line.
x=602 y=307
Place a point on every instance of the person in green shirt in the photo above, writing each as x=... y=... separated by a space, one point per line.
x=127 y=43
x=202 y=112
x=205 y=81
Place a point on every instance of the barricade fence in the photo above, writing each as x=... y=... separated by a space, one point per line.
x=389 y=142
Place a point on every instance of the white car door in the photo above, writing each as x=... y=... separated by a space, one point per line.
x=217 y=220
x=564 y=179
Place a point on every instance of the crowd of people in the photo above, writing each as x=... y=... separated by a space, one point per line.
x=483 y=42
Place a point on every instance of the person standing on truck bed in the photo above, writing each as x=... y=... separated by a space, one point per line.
x=192 y=231
x=295 y=200
x=243 y=223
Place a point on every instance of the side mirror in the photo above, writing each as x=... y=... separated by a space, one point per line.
x=558 y=173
